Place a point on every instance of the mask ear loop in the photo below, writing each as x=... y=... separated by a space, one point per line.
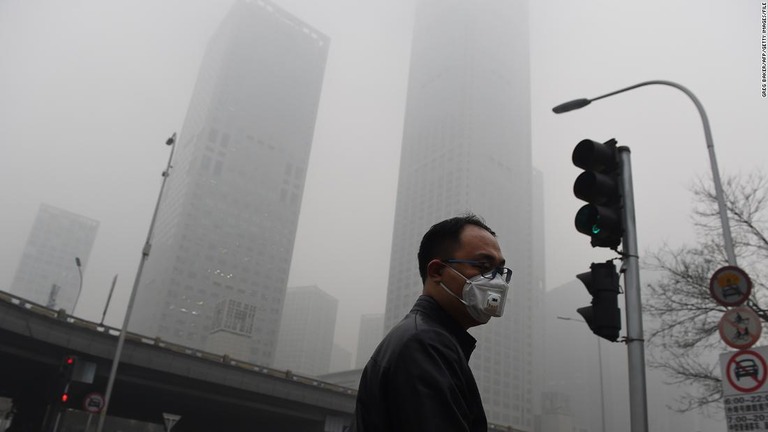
x=451 y=292
x=454 y=295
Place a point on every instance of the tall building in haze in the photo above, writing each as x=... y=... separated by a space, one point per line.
x=306 y=331
x=227 y=223
x=371 y=333
x=467 y=147
x=47 y=273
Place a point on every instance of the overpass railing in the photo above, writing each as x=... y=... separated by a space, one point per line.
x=159 y=343
x=170 y=346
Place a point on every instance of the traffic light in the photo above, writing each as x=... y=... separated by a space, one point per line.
x=66 y=371
x=604 y=316
x=598 y=185
x=69 y=363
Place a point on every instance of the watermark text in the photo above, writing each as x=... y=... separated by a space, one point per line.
x=764 y=50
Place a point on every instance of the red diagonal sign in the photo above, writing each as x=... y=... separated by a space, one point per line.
x=746 y=371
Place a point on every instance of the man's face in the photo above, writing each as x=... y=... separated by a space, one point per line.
x=478 y=245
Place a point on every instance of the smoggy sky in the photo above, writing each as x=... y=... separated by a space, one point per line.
x=90 y=90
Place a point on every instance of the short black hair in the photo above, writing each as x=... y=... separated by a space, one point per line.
x=442 y=240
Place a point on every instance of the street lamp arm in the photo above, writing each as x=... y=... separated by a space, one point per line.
x=682 y=88
x=727 y=238
x=80 y=287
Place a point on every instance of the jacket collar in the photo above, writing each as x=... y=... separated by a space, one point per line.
x=429 y=306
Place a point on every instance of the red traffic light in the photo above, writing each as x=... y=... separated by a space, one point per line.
x=70 y=360
x=64 y=397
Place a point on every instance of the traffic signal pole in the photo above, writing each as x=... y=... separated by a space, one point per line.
x=638 y=404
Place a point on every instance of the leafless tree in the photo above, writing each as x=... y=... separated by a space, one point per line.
x=684 y=340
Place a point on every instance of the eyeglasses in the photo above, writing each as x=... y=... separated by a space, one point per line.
x=485 y=268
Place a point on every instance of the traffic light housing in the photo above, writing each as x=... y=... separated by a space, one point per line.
x=598 y=185
x=604 y=315
x=66 y=371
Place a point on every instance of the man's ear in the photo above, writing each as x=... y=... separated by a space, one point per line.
x=435 y=270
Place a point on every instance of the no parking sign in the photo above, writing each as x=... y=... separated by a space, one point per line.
x=744 y=389
x=93 y=403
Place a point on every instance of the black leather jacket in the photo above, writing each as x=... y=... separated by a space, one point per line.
x=418 y=379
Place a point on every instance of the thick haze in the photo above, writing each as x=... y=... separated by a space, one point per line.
x=90 y=90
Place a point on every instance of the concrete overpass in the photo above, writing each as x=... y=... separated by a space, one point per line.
x=209 y=391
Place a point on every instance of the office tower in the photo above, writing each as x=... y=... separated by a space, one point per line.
x=371 y=333
x=538 y=300
x=467 y=147
x=227 y=222
x=306 y=331
x=341 y=359
x=573 y=359
x=556 y=413
x=47 y=273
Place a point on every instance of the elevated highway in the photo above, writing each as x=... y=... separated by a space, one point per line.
x=208 y=391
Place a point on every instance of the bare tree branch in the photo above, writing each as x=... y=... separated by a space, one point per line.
x=684 y=339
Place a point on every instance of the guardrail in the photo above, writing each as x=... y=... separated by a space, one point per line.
x=170 y=346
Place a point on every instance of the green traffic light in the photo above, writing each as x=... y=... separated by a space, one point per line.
x=598 y=185
x=601 y=223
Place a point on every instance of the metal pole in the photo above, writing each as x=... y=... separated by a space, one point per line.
x=638 y=404
x=144 y=255
x=109 y=298
x=602 y=389
x=727 y=238
x=599 y=365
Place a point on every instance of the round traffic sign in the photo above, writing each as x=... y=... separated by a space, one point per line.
x=93 y=402
x=746 y=371
x=740 y=327
x=730 y=286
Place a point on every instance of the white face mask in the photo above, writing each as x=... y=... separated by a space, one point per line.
x=483 y=297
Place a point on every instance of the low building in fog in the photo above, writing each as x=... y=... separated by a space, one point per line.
x=306 y=331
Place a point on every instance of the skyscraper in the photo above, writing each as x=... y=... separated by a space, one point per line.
x=371 y=333
x=227 y=223
x=57 y=238
x=306 y=331
x=467 y=147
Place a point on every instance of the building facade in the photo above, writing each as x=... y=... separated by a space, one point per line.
x=371 y=333
x=232 y=328
x=467 y=147
x=341 y=359
x=227 y=223
x=307 y=328
x=48 y=273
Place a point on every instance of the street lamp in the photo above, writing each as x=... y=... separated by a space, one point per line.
x=728 y=240
x=635 y=341
x=109 y=298
x=144 y=255
x=599 y=365
x=80 y=288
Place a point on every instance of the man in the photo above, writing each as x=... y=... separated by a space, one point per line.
x=419 y=379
